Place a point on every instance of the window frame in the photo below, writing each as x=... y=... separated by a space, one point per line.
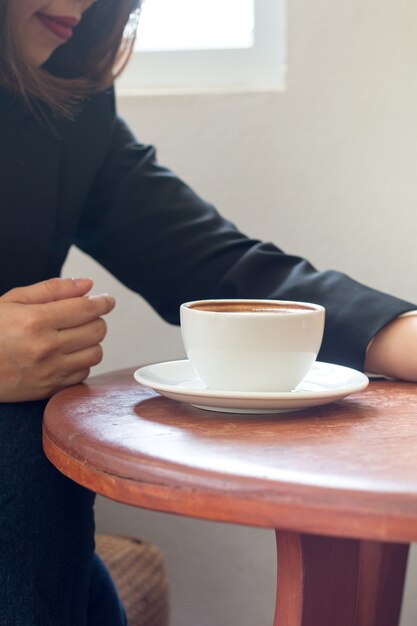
x=259 y=68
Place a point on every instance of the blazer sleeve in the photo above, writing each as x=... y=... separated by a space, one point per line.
x=157 y=236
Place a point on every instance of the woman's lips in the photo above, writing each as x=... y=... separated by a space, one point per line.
x=62 y=27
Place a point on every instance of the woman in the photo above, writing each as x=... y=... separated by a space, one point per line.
x=72 y=173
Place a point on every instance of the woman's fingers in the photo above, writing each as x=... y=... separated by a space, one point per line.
x=56 y=373
x=81 y=337
x=74 y=379
x=49 y=291
x=70 y=364
x=73 y=312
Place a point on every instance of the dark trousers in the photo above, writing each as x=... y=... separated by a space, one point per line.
x=49 y=575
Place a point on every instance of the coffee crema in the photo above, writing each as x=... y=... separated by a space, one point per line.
x=247 y=306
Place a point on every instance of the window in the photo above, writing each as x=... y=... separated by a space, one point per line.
x=201 y=45
x=215 y=24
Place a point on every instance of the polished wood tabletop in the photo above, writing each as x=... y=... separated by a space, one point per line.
x=338 y=483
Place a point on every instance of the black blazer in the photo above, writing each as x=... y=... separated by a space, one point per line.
x=88 y=182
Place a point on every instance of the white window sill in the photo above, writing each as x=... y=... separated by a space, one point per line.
x=150 y=92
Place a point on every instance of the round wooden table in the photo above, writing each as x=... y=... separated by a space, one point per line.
x=338 y=483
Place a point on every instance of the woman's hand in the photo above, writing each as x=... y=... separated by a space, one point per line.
x=50 y=336
x=393 y=351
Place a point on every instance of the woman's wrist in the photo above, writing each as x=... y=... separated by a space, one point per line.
x=393 y=350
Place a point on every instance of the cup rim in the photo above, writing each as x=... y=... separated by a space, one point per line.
x=305 y=307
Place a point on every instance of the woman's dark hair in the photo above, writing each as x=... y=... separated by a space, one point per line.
x=87 y=63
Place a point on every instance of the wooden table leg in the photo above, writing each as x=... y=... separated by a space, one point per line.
x=381 y=582
x=326 y=581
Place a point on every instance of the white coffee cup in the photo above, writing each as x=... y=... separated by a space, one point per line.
x=252 y=345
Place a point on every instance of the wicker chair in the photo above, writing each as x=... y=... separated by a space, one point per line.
x=137 y=569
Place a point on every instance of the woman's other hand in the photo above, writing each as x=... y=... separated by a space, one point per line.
x=50 y=335
x=393 y=350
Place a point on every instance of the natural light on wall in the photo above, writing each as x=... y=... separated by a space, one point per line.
x=206 y=45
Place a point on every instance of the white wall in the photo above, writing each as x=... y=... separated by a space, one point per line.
x=326 y=169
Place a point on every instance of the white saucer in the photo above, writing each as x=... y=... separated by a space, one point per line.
x=323 y=384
